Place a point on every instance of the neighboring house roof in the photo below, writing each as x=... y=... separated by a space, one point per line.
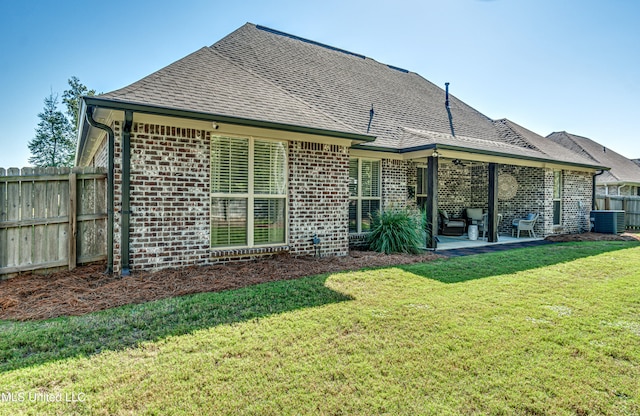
x=524 y=138
x=257 y=73
x=636 y=161
x=622 y=170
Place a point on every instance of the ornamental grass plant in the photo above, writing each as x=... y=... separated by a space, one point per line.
x=398 y=231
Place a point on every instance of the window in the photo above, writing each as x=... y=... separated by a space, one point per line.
x=557 y=197
x=364 y=193
x=248 y=192
x=421 y=192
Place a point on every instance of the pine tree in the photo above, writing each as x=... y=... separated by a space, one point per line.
x=71 y=99
x=54 y=143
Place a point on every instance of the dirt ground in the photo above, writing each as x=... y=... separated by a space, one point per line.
x=87 y=289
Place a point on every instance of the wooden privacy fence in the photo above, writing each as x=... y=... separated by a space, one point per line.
x=51 y=217
x=629 y=204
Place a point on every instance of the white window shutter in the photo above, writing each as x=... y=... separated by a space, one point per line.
x=229 y=165
x=248 y=192
x=353 y=177
x=228 y=222
x=270 y=173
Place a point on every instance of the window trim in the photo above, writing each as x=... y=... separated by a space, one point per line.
x=424 y=180
x=359 y=198
x=559 y=197
x=250 y=195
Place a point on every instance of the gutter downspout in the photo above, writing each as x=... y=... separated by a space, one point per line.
x=110 y=185
x=125 y=213
x=593 y=189
x=620 y=189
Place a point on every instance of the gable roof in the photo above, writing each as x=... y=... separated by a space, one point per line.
x=264 y=75
x=623 y=170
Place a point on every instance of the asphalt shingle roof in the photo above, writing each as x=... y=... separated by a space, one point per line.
x=205 y=81
x=622 y=169
x=262 y=74
x=347 y=85
x=524 y=138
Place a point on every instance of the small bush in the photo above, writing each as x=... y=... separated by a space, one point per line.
x=397 y=231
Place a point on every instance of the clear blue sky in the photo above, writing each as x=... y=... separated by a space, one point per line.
x=548 y=65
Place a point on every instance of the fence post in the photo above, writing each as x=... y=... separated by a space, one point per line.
x=73 y=224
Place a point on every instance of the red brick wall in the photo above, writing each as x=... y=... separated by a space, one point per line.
x=169 y=225
x=101 y=158
x=170 y=199
x=318 y=198
x=576 y=200
x=395 y=180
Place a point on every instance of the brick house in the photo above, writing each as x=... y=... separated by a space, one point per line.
x=623 y=177
x=265 y=140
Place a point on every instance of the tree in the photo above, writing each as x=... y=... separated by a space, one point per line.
x=71 y=98
x=54 y=144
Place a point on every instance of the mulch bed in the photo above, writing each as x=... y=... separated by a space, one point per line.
x=87 y=289
x=594 y=237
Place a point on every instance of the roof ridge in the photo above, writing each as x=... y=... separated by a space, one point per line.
x=309 y=41
x=247 y=70
x=511 y=126
x=328 y=47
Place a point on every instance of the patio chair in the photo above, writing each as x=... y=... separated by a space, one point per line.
x=474 y=216
x=524 y=224
x=451 y=226
x=484 y=225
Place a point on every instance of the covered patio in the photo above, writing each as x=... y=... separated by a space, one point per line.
x=451 y=243
x=454 y=185
x=520 y=176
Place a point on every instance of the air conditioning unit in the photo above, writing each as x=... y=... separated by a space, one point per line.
x=608 y=222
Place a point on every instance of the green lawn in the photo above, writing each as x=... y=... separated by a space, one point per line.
x=553 y=329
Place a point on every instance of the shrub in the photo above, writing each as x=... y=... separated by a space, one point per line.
x=397 y=231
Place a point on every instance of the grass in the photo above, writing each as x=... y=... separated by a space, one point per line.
x=553 y=329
